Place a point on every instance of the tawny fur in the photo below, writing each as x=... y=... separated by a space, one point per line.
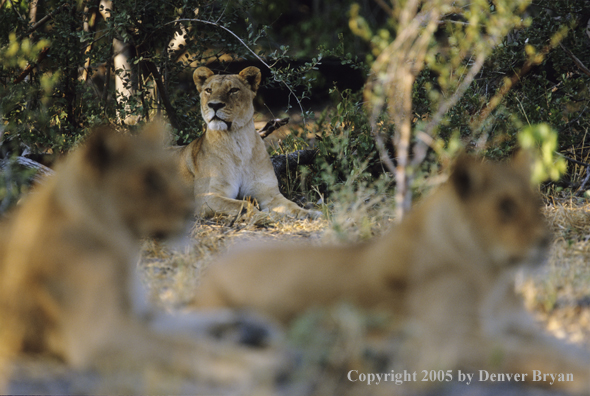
x=67 y=283
x=230 y=162
x=447 y=269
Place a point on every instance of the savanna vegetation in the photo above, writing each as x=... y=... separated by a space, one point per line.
x=385 y=92
x=440 y=77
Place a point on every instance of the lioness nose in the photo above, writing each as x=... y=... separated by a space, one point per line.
x=216 y=105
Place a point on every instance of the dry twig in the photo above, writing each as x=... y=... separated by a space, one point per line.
x=578 y=62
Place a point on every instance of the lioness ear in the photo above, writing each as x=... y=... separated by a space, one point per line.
x=522 y=163
x=103 y=147
x=252 y=76
x=200 y=76
x=156 y=132
x=466 y=176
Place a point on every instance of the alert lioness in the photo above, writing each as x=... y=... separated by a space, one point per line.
x=447 y=268
x=67 y=285
x=230 y=162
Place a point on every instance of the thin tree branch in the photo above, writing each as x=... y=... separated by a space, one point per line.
x=385 y=6
x=43 y=53
x=31 y=66
x=151 y=66
x=578 y=62
x=43 y=20
x=248 y=48
x=572 y=160
x=383 y=154
x=508 y=84
x=420 y=149
x=15 y=9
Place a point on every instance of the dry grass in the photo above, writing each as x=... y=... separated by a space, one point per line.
x=336 y=339
x=173 y=271
x=560 y=293
x=329 y=340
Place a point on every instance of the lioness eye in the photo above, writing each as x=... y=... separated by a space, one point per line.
x=153 y=181
x=208 y=90
x=507 y=208
x=234 y=90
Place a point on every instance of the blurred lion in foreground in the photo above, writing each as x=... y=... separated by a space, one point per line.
x=448 y=269
x=67 y=283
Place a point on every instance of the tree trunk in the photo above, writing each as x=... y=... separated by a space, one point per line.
x=153 y=69
x=123 y=69
x=123 y=79
x=90 y=12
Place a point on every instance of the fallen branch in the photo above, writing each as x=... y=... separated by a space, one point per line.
x=272 y=126
x=42 y=170
x=282 y=162
x=583 y=185
x=29 y=163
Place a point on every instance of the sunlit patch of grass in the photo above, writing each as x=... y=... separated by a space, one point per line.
x=172 y=272
x=560 y=293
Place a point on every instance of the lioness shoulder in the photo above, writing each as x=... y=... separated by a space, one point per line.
x=447 y=269
x=229 y=163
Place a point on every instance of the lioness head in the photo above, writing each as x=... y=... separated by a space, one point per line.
x=226 y=100
x=502 y=208
x=139 y=179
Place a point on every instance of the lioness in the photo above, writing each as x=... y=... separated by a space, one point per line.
x=67 y=287
x=447 y=268
x=230 y=162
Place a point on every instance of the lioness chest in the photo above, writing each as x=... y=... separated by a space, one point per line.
x=236 y=163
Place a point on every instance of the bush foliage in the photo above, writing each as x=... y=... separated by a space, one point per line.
x=57 y=76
